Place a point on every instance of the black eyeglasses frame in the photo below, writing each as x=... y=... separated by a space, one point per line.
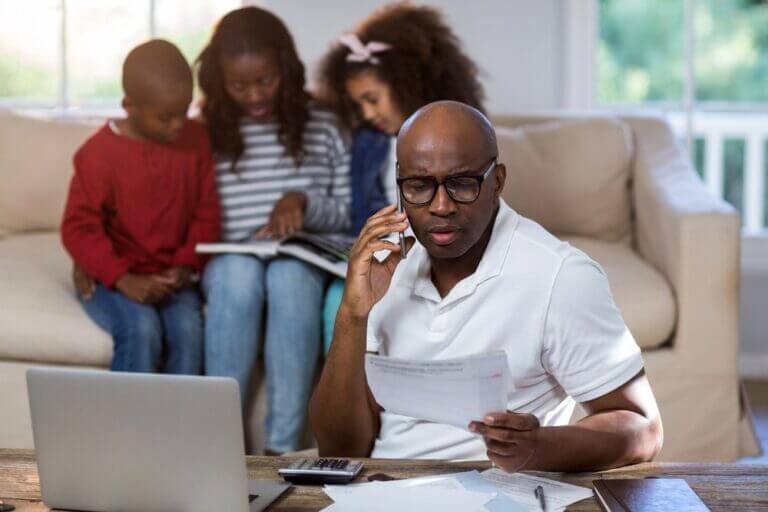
x=492 y=164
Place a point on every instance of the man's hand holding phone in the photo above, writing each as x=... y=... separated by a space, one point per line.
x=367 y=278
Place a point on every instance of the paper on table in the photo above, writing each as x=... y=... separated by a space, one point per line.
x=378 y=498
x=474 y=481
x=467 y=480
x=434 y=482
x=521 y=488
x=450 y=391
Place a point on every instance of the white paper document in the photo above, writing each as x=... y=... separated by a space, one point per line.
x=442 y=493
x=444 y=482
x=450 y=391
x=520 y=488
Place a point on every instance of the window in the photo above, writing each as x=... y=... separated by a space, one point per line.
x=29 y=60
x=705 y=63
x=67 y=54
x=641 y=53
x=95 y=49
x=189 y=23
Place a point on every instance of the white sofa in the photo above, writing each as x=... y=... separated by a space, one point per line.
x=41 y=322
x=620 y=189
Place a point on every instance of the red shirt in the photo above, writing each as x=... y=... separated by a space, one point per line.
x=141 y=206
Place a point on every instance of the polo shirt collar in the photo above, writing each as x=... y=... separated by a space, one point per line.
x=491 y=264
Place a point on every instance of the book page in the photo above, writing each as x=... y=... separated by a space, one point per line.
x=264 y=248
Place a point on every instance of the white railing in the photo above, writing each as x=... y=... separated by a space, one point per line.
x=715 y=128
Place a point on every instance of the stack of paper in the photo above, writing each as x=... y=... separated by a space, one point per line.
x=443 y=493
x=492 y=491
x=520 y=488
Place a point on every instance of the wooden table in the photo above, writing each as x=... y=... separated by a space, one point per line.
x=723 y=487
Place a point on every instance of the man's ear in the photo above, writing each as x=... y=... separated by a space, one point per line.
x=499 y=178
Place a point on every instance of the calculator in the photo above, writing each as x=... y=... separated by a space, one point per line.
x=321 y=471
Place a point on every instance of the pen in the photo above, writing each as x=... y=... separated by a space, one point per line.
x=539 y=492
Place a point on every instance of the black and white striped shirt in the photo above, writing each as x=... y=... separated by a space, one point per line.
x=266 y=171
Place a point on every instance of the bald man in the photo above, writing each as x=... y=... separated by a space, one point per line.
x=482 y=278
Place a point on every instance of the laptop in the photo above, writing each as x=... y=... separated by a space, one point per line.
x=110 y=441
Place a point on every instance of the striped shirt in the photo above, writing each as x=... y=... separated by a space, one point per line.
x=265 y=172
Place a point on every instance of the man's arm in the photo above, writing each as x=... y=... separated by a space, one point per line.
x=589 y=350
x=621 y=427
x=343 y=414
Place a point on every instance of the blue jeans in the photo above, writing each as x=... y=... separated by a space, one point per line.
x=331 y=307
x=238 y=288
x=140 y=332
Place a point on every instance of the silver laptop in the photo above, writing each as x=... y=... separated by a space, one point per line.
x=110 y=441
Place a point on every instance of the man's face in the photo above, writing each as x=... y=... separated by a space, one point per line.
x=161 y=119
x=445 y=227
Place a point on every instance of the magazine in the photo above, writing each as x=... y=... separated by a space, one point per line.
x=329 y=252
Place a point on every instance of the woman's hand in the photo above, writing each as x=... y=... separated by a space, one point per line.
x=367 y=278
x=287 y=216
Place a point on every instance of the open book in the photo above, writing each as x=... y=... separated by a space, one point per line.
x=328 y=252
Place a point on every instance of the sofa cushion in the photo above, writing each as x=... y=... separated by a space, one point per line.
x=571 y=176
x=643 y=295
x=35 y=168
x=41 y=318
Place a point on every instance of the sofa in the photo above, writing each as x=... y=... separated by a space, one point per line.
x=618 y=188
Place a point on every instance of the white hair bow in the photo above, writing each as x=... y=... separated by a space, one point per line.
x=359 y=52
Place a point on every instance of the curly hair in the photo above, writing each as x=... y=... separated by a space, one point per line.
x=425 y=63
x=243 y=31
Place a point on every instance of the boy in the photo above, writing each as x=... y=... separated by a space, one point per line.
x=142 y=196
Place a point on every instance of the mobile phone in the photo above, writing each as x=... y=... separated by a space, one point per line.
x=401 y=235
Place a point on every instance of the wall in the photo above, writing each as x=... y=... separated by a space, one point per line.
x=516 y=43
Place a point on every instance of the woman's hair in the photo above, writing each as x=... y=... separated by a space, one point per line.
x=244 y=31
x=424 y=63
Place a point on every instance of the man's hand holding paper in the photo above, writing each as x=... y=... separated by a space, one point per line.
x=511 y=438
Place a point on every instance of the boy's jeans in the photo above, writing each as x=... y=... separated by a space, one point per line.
x=237 y=289
x=141 y=332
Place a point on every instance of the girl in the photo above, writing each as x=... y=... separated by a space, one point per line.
x=282 y=166
x=397 y=60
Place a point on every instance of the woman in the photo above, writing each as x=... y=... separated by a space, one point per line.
x=282 y=166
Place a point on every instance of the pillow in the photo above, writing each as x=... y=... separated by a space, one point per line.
x=571 y=176
x=35 y=169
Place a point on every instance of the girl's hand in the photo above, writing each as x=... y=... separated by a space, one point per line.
x=367 y=278
x=286 y=218
x=84 y=283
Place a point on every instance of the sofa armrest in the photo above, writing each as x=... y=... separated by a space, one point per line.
x=693 y=239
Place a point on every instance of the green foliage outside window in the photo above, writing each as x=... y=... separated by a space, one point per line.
x=641 y=51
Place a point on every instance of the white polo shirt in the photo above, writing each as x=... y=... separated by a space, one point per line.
x=542 y=301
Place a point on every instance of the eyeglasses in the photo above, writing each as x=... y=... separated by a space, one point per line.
x=462 y=189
